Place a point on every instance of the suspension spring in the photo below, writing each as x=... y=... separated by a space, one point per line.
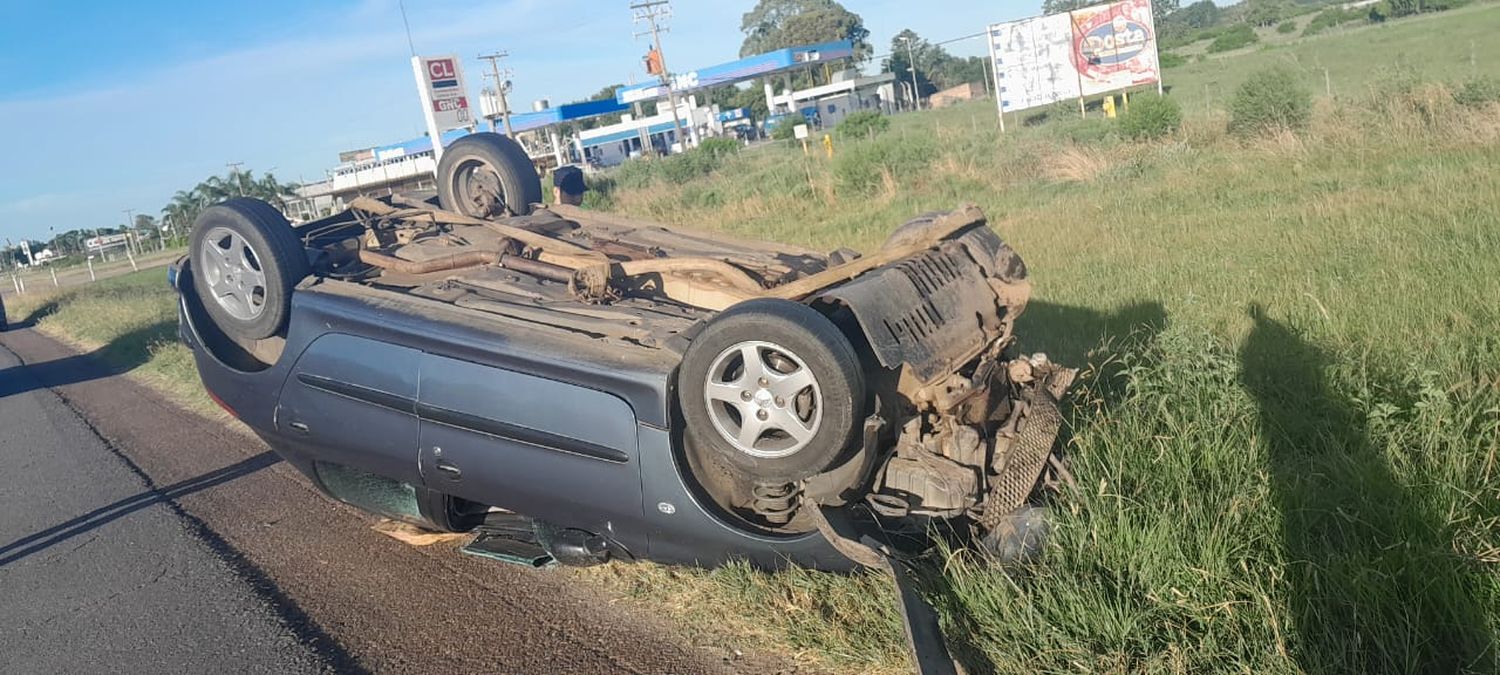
x=776 y=502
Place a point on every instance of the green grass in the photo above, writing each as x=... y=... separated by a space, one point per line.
x=129 y=322
x=1287 y=439
x=1437 y=46
x=1287 y=431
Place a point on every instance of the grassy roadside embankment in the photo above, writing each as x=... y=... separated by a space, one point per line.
x=1286 y=439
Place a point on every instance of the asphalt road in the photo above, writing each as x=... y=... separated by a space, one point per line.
x=99 y=573
x=137 y=536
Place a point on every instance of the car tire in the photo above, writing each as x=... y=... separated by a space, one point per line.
x=446 y=513
x=485 y=175
x=246 y=259
x=792 y=370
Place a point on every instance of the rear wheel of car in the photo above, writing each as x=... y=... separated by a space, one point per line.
x=773 y=390
x=484 y=175
x=246 y=259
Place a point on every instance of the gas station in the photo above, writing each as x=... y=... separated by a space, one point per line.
x=409 y=164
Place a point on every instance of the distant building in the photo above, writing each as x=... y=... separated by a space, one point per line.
x=614 y=143
x=826 y=105
x=963 y=92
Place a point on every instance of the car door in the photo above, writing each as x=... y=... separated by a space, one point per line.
x=533 y=445
x=352 y=401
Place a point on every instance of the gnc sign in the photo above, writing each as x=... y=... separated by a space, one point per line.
x=445 y=103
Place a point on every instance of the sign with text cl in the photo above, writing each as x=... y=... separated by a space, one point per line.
x=444 y=82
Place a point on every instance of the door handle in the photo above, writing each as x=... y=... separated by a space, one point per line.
x=449 y=469
x=299 y=427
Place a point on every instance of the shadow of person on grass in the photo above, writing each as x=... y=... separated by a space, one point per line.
x=121 y=355
x=1373 y=585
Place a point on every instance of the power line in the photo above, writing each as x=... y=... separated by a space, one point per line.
x=888 y=54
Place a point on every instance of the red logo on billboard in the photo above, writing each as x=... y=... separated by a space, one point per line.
x=443 y=73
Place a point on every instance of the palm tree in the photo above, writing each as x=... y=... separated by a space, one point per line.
x=185 y=205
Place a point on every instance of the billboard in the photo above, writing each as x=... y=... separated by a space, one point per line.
x=1115 y=46
x=1034 y=62
x=105 y=241
x=1085 y=52
x=443 y=80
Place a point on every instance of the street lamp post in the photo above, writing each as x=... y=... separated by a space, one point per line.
x=911 y=64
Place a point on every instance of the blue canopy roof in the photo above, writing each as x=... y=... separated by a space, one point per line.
x=747 y=68
x=565 y=112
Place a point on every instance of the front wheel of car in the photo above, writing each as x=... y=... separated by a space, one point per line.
x=773 y=389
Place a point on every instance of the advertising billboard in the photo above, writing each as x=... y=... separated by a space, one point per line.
x=1115 y=46
x=105 y=241
x=443 y=80
x=1034 y=62
x=1085 y=52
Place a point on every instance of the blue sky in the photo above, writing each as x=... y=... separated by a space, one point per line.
x=107 y=106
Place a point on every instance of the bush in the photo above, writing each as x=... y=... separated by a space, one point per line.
x=1150 y=116
x=786 y=128
x=1329 y=18
x=1285 y=27
x=1171 y=60
x=862 y=124
x=1271 y=99
x=861 y=167
x=1239 y=36
x=718 y=148
x=1478 y=92
x=699 y=161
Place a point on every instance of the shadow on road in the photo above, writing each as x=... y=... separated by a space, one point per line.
x=57 y=534
x=1373 y=584
x=122 y=355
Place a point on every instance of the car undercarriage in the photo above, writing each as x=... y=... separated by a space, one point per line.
x=870 y=401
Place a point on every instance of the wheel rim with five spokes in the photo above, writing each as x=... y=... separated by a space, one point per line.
x=232 y=268
x=763 y=399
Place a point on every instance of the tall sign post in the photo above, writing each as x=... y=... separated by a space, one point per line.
x=445 y=103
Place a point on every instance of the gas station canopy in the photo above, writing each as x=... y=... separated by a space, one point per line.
x=747 y=68
x=563 y=113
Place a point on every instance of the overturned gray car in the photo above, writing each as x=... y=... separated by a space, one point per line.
x=623 y=389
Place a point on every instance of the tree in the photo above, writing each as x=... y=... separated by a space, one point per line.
x=185 y=205
x=1198 y=15
x=1265 y=12
x=779 y=24
x=907 y=47
x=936 y=68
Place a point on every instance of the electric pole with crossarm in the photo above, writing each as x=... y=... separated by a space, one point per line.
x=653 y=12
x=502 y=86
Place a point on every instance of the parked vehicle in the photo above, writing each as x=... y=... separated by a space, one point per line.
x=638 y=392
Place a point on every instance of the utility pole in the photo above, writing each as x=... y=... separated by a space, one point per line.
x=911 y=63
x=502 y=85
x=234 y=172
x=130 y=228
x=653 y=12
